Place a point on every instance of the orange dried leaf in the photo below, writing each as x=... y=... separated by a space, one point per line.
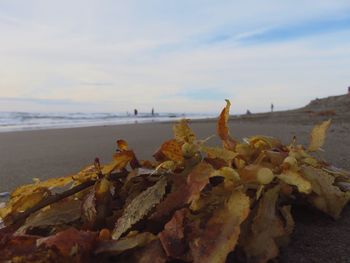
x=105 y=234
x=172 y=150
x=222 y=128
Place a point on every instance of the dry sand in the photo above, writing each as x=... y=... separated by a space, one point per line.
x=51 y=153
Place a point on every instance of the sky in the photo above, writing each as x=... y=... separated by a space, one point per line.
x=175 y=56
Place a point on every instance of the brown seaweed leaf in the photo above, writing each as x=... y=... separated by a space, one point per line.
x=59 y=213
x=326 y=196
x=96 y=205
x=261 y=242
x=151 y=253
x=296 y=179
x=172 y=237
x=221 y=153
x=115 y=247
x=71 y=243
x=255 y=173
x=221 y=233
x=21 y=202
x=17 y=246
x=27 y=196
x=186 y=192
x=139 y=207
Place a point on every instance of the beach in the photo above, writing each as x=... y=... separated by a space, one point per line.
x=56 y=152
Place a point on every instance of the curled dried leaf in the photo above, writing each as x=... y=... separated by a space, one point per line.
x=183 y=133
x=221 y=153
x=327 y=197
x=120 y=161
x=222 y=127
x=296 y=179
x=221 y=233
x=318 y=135
x=230 y=175
x=264 y=142
x=122 y=145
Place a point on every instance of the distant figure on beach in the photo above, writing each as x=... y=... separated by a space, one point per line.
x=272 y=106
x=135 y=112
x=152 y=112
x=248 y=112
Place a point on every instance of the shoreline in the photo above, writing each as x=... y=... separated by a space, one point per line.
x=19 y=128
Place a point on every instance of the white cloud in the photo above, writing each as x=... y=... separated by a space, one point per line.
x=148 y=51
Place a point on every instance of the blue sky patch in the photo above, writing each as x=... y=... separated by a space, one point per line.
x=208 y=94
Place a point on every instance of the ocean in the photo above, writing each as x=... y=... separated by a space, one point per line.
x=18 y=121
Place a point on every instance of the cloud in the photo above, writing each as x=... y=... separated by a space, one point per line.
x=120 y=55
x=36 y=100
x=96 y=83
x=294 y=31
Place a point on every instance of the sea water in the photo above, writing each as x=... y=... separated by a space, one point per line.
x=15 y=121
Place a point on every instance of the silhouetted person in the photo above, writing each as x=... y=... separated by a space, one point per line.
x=248 y=112
x=135 y=112
x=152 y=112
x=272 y=106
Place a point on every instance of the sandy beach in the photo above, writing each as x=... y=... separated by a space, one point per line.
x=50 y=153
